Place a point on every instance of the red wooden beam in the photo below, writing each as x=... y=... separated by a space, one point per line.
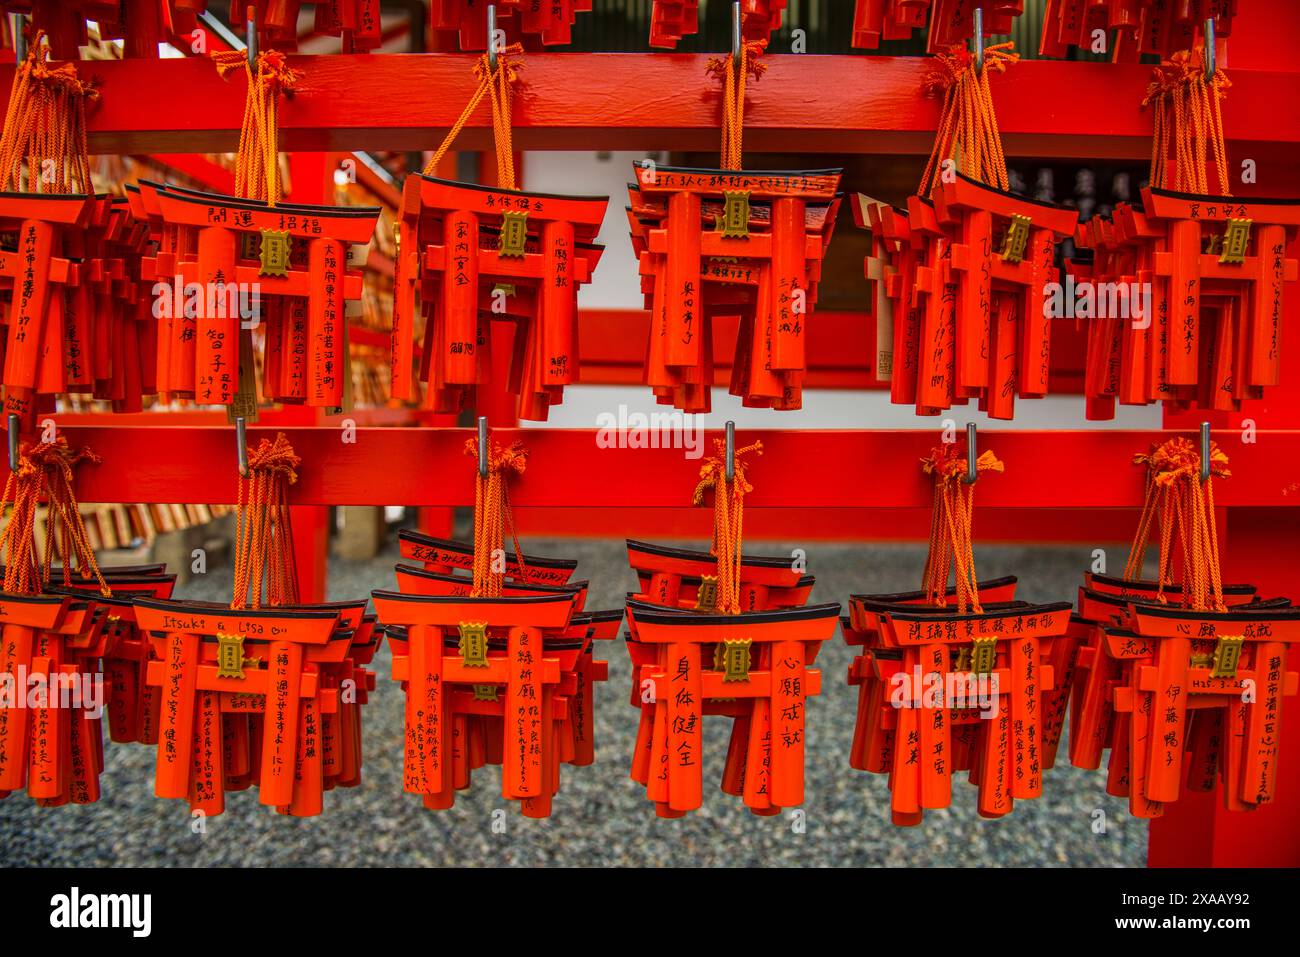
x=608 y=101
x=197 y=167
x=812 y=469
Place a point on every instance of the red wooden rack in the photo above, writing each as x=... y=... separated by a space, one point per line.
x=1057 y=483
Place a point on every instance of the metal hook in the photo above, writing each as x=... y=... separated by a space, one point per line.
x=20 y=38
x=1209 y=50
x=492 y=46
x=977 y=40
x=1205 y=451
x=730 y=466
x=482 y=446
x=735 y=35
x=241 y=439
x=971 y=473
x=251 y=28
x=13 y=441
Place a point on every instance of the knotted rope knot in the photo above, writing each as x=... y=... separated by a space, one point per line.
x=1184 y=506
x=507 y=66
x=733 y=97
x=57 y=456
x=46 y=469
x=257 y=164
x=1180 y=458
x=950 y=526
x=751 y=52
x=501 y=458
x=498 y=86
x=45 y=126
x=275 y=457
x=62 y=77
x=713 y=473
x=1187 y=121
x=493 y=515
x=968 y=123
x=728 y=518
x=264 y=555
x=949 y=68
x=273 y=71
x=948 y=464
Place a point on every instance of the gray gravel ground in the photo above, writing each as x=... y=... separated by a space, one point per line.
x=601 y=817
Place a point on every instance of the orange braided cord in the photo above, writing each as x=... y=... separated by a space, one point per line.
x=1151 y=504
x=45 y=126
x=728 y=518
x=950 y=526
x=968 y=124
x=498 y=87
x=492 y=516
x=257 y=164
x=264 y=557
x=733 y=97
x=1185 y=506
x=46 y=470
x=1187 y=121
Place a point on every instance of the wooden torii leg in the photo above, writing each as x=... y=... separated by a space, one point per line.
x=216 y=354
x=1003 y=360
x=660 y=771
x=933 y=745
x=47 y=726
x=425 y=709
x=16 y=644
x=684 y=704
x=1184 y=258
x=406 y=279
x=1204 y=743
x=975 y=293
x=176 y=716
x=682 y=292
x=1026 y=693
x=293 y=375
x=556 y=304
x=308 y=779
x=1264 y=724
x=789 y=712
x=1235 y=731
x=85 y=761
x=1141 y=732
x=36 y=246
x=539 y=805
x=789 y=276
x=763 y=381
x=326 y=335
x=733 y=769
x=643 y=749
x=460 y=297
x=237 y=739
x=521 y=773
x=1164 y=776
x=207 y=792
x=1266 y=305
x=1035 y=327
x=758 y=764
x=280 y=735
x=905 y=774
x=994 y=758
